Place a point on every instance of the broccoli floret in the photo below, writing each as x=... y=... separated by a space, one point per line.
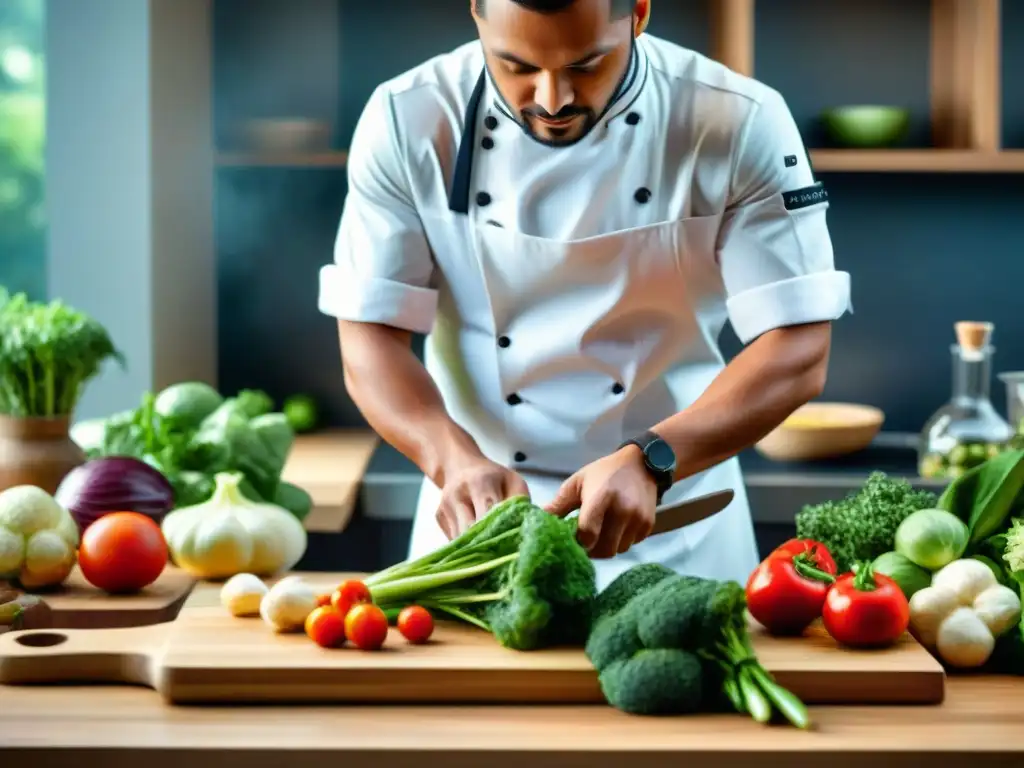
x=662 y=681
x=613 y=638
x=626 y=585
x=518 y=573
x=685 y=617
x=863 y=525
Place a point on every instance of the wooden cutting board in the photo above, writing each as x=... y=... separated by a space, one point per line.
x=330 y=466
x=208 y=656
x=79 y=605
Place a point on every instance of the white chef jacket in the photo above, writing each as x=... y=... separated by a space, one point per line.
x=578 y=297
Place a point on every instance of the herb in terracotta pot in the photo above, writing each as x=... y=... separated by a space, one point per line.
x=49 y=352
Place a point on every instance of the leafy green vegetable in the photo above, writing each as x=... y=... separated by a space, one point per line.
x=191 y=488
x=294 y=499
x=908 y=575
x=185 y=405
x=254 y=402
x=518 y=573
x=680 y=644
x=932 y=538
x=984 y=496
x=227 y=441
x=48 y=354
x=863 y=525
x=302 y=412
x=236 y=435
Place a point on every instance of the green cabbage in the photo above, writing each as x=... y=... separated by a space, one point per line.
x=932 y=538
x=909 y=576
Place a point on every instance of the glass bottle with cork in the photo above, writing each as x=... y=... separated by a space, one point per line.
x=967 y=430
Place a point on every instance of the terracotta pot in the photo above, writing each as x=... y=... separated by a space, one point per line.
x=36 y=451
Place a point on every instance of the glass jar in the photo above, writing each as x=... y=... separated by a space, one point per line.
x=967 y=430
x=1014 y=382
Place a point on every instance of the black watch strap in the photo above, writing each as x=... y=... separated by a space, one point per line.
x=659 y=458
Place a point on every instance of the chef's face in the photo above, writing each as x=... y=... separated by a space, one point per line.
x=556 y=71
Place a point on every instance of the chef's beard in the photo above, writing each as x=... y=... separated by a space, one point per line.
x=559 y=137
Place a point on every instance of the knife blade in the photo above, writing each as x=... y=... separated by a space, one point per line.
x=670 y=517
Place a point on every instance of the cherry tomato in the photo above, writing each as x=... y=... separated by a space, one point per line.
x=350 y=593
x=416 y=624
x=324 y=599
x=866 y=609
x=326 y=627
x=366 y=626
x=122 y=552
x=818 y=553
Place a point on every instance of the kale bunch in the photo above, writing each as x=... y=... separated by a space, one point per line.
x=518 y=573
x=863 y=525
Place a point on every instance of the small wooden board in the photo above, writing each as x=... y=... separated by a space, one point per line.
x=330 y=466
x=77 y=604
x=208 y=656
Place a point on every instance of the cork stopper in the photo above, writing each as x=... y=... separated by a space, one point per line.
x=973 y=336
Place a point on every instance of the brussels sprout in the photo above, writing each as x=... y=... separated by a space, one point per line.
x=932 y=538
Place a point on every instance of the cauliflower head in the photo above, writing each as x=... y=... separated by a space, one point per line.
x=38 y=538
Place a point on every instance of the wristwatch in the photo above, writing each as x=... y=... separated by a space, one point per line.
x=659 y=459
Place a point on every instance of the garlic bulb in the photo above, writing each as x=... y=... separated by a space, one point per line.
x=230 y=534
x=242 y=594
x=287 y=605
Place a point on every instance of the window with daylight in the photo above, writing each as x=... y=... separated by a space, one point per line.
x=22 y=143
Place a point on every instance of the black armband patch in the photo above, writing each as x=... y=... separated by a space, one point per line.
x=806 y=197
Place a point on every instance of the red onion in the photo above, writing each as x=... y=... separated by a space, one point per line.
x=114 y=484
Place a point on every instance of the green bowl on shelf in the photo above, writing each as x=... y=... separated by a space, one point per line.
x=866 y=125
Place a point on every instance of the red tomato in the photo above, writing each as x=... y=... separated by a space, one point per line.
x=786 y=592
x=785 y=596
x=348 y=594
x=866 y=609
x=416 y=624
x=366 y=626
x=326 y=627
x=122 y=552
x=820 y=557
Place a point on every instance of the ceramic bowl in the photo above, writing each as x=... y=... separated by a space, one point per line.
x=822 y=430
x=866 y=125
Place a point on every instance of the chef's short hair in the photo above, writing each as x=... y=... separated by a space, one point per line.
x=620 y=8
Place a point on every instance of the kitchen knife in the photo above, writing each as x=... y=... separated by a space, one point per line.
x=670 y=517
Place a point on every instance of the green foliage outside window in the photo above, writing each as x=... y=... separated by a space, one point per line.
x=22 y=145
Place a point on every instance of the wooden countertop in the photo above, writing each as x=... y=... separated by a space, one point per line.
x=330 y=466
x=977 y=726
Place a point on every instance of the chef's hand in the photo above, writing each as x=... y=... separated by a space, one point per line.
x=470 y=489
x=616 y=497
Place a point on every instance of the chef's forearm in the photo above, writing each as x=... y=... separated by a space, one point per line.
x=757 y=390
x=399 y=399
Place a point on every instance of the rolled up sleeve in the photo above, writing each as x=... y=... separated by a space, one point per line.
x=774 y=248
x=383 y=269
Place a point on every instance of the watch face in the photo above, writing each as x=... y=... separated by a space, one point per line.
x=660 y=456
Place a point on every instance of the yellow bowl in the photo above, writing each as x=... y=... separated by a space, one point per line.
x=821 y=431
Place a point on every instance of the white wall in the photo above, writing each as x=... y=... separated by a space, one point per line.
x=129 y=185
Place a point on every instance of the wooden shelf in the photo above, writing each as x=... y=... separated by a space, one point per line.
x=965 y=89
x=332 y=159
x=917 y=161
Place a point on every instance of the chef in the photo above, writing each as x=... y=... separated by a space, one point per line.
x=572 y=210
